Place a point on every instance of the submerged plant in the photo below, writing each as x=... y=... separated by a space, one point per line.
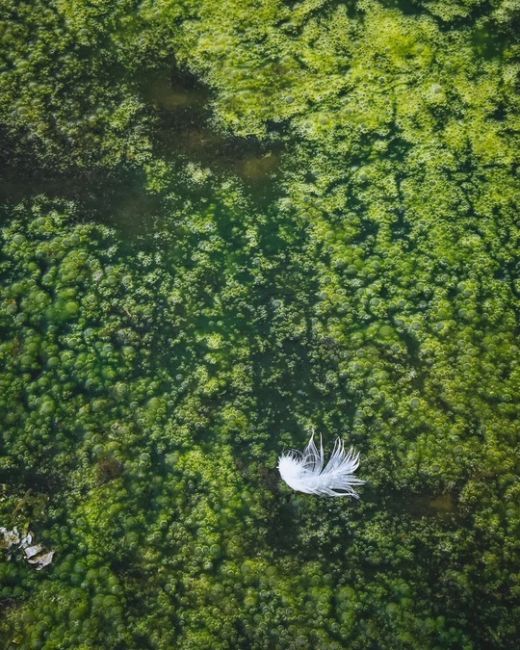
x=305 y=471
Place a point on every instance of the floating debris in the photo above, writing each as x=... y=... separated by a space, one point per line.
x=35 y=554
x=9 y=537
x=26 y=540
x=42 y=560
x=31 y=551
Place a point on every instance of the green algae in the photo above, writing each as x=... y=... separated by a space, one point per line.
x=224 y=225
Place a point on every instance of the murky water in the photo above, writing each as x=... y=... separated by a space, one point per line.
x=183 y=134
x=184 y=128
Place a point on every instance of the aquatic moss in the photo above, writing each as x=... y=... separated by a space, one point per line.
x=152 y=372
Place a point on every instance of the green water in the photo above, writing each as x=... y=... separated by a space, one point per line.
x=225 y=225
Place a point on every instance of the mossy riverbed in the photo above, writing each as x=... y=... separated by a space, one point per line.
x=224 y=225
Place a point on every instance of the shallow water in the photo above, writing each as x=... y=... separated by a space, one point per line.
x=346 y=273
x=183 y=134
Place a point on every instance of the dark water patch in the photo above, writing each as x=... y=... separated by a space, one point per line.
x=313 y=527
x=133 y=211
x=167 y=95
x=488 y=42
x=407 y=7
x=182 y=105
x=115 y=199
x=423 y=505
x=183 y=134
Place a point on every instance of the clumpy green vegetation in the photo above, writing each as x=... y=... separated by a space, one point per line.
x=223 y=224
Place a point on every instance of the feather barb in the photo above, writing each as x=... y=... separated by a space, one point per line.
x=306 y=471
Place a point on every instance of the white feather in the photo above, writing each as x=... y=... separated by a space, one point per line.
x=304 y=471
